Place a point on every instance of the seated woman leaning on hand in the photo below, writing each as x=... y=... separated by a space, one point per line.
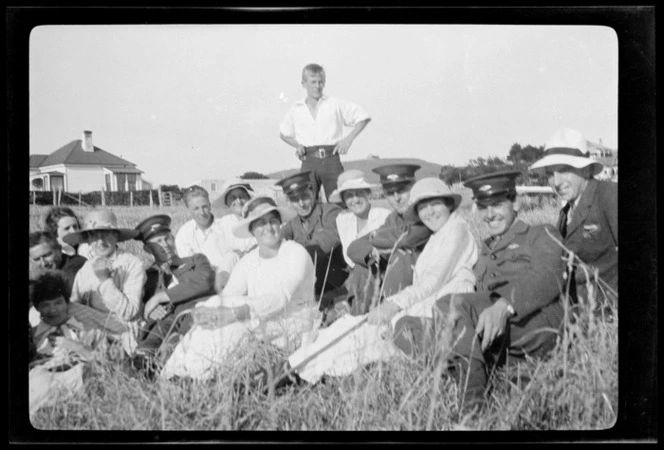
x=269 y=296
x=444 y=266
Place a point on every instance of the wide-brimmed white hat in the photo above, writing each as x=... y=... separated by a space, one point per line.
x=256 y=208
x=233 y=184
x=567 y=147
x=348 y=181
x=103 y=220
x=427 y=188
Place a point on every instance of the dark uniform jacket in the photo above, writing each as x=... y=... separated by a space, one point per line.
x=593 y=232
x=387 y=235
x=195 y=279
x=318 y=234
x=525 y=267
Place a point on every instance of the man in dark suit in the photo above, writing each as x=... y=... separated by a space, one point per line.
x=371 y=253
x=516 y=310
x=173 y=284
x=315 y=228
x=588 y=220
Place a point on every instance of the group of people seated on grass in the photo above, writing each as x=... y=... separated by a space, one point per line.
x=337 y=286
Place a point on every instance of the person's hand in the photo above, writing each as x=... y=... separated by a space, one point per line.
x=211 y=318
x=492 y=322
x=101 y=268
x=342 y=146
x=383 y=313
x=374 y=257
x=299 y=152
x=157 y=307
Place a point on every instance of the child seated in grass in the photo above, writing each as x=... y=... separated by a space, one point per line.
x=66 y=336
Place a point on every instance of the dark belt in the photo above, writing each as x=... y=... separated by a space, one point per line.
x=319 y=151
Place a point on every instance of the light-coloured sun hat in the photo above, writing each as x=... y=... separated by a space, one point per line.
x=427 y=188
x=567 y=147
x=350 y=180
x=234 y=183
x=102 y=220
x=256 y=208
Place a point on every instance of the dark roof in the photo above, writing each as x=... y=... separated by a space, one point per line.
x=123 y=169
x=36 y=160
x=73 y=153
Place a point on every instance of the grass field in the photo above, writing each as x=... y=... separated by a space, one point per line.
x=575 y=389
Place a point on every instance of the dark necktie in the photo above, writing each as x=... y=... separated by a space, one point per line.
x=563 y=219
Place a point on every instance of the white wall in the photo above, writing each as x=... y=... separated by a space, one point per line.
x=84 y=179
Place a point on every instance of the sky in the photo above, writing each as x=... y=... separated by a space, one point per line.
x=189 y=102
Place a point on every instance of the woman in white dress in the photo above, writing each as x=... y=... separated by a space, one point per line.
x=269 y=296
x=444 y=266
x=361 y=218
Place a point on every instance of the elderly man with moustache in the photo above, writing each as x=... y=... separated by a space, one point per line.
x=516 y=310
x=315 y=125
x=588 y=221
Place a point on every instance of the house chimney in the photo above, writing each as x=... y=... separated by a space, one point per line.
x=87 y=141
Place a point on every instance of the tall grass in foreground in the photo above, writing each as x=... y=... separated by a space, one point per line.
x=576 y=388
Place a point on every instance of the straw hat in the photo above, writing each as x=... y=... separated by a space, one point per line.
x=567 y=147
x=428 y=188
x=256 y=208
x=103 y=220
x=348 y=181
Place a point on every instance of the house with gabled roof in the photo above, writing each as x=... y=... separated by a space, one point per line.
x=79 y=166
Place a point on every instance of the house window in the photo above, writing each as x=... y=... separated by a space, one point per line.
x=121 y=179
x=108 y=182
x=131 y=181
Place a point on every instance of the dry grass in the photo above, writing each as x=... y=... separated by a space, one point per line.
x=575 y=389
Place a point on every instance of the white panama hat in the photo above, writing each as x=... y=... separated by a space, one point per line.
x=567 y=147
x=231 y=184
x=256 y=208
x=427 y=188
x=350 y=180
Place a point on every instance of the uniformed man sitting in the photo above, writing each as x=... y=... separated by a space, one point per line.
x=174 y=284
x=516 y=308
x=315 y=228
x=371 y=253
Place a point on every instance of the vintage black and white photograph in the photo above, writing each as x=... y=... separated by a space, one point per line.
x=323 y=227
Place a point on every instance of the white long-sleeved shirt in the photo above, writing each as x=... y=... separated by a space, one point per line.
x=212 y=242
x=332 y=115
x=121 y=294
x=347 y=227
x=444 y=266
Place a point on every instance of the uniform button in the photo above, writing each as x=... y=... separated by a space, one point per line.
x=493 y=275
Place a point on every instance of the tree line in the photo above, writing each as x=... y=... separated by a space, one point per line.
x=519 y=158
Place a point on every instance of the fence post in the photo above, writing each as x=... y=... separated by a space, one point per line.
x=151 y=202
x=159 y=192
x=79 y=198
x=103 y=198
x=131 y=198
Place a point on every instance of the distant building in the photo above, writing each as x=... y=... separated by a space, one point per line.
x=608 y=157
x=81 y=167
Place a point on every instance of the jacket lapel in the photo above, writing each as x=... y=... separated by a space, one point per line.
x=581 y=211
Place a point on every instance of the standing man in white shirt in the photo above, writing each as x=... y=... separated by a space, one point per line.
x=204 y=234
x=314 y=126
